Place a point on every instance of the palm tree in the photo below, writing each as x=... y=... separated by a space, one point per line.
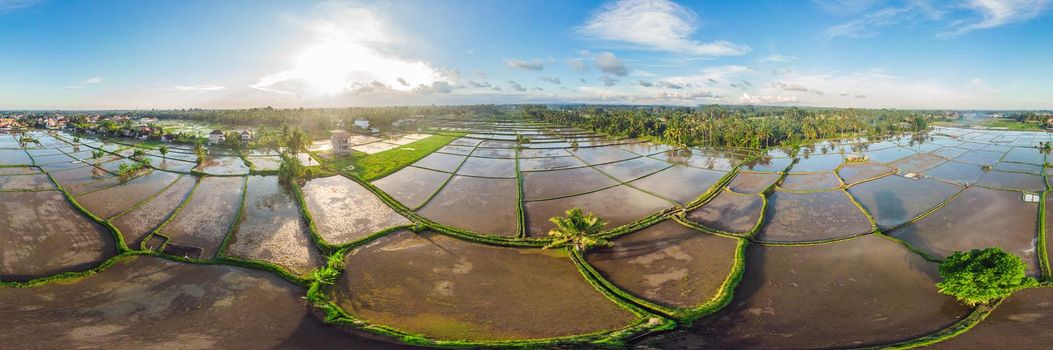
x=577 y=230
x=297 y=142
x=164 y=151
x=96 y=155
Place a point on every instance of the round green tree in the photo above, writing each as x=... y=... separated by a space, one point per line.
x=982 y=275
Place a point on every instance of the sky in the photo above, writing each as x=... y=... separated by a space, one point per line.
x=906 y=54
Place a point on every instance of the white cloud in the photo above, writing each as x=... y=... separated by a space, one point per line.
x=777 y=58
x=794 y=87
x=608 y=81
x=767 y=99
x=878 y=89
x=349 y=50
x=438 y=87
x=554 y=80
x=9 y=5
x=658 y=25
x=995 y=13
x=868 y=25
x=961 y=17
x=81 y=85
x=710 y=75
x=198 y=88
x=532 y=65
x=610 y=64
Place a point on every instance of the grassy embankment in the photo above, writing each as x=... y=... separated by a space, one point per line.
x=374 y=166
x=1000 y=124
x=1012 y=125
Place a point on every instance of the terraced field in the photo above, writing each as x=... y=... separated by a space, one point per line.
x=722 y=248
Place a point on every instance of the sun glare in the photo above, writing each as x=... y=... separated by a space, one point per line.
x=331 y=68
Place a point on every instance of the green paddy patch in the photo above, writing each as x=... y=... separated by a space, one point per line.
x=381 y=164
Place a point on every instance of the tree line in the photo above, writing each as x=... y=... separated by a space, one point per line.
x=733 y=126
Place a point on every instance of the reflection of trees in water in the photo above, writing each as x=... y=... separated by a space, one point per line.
x=678 y=155
x=762 y=160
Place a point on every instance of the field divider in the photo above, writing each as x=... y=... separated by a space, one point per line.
x=175 y=213
x=236 y=223
x=119 y=242
x=147 y=199
x=683 y=316
x=977 y=315
x=619 y=182
x=521 y=220
x=448 y=179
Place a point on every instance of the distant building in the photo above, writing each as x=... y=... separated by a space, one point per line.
x=341 y=143
x=246 y=136
x=361 y=123
x=216 y=136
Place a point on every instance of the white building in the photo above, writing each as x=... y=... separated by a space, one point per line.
x=216 y=136
x=341 y=143
x=361 y=123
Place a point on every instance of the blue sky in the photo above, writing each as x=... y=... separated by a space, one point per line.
x=79 y=54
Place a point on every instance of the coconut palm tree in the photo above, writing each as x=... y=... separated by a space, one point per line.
x=96 y=155
x=577 y=230
x=138 y=154
x=164 y=151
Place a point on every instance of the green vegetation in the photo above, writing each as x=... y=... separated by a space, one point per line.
x=747 y=126
x=577 y=230
x=164 y=151
x=982 y=275
x=1012 y=124
x=374 y=166
x=24 y=140
x=125 y=170
x=96 y=155
x=199 y=150
x=290 y=170
x=138 y=154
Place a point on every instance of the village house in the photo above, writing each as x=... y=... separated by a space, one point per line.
x=341 y=143
x=246 y=136
x=7 y=123
x=216 y=136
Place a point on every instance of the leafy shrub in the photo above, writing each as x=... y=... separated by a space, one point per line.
x=982 y=275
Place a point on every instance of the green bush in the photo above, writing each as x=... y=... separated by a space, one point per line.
x=982 y=275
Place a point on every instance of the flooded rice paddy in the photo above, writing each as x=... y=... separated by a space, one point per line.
x=808 y=247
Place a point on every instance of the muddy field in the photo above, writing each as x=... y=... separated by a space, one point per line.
x=271 y=228
x=207 y=216
x=839 y=242
x=474 y=291
x=154 y=303
x=344 y=211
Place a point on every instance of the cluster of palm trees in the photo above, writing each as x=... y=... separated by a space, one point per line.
x=734 y=127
